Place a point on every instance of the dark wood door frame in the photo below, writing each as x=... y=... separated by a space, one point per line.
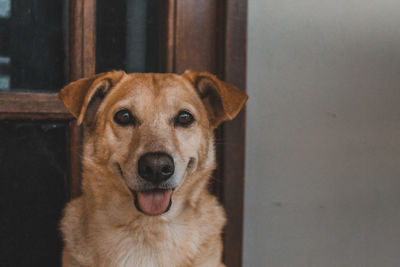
x=234 y=71
x=82 y=62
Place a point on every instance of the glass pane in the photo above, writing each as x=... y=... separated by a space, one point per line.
x=31 y=45
x=33 y=192
x=128 y=35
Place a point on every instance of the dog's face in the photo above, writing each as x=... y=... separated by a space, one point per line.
x=152 y=131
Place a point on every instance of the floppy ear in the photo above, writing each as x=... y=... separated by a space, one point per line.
x=222 y=100
x=83 y=97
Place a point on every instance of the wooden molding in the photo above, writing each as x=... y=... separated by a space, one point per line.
x=82 y=62
x=233 y=134
x=17 y=105
x=169 y=36
x=82 y=38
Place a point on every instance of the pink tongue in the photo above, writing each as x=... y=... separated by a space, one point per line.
x=154 y=202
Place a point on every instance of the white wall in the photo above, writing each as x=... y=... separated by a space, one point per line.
x=323 y=134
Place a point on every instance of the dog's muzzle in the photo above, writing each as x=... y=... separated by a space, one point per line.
x=155 y=168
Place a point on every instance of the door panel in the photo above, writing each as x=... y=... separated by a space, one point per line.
x=33 y=191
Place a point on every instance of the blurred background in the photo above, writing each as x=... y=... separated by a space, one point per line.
x=322 y=184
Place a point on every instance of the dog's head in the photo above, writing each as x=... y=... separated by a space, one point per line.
x=151 y=133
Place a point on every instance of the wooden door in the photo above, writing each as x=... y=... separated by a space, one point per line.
x=44 y=45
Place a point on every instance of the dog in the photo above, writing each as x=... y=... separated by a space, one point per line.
x=148 y=155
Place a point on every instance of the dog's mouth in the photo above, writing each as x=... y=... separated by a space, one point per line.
x=153 y=202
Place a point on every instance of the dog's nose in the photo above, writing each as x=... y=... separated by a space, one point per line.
x=156 y=167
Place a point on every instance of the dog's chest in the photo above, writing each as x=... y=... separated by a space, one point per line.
x=168 y=245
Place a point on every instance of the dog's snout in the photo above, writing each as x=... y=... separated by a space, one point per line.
x=156 y=167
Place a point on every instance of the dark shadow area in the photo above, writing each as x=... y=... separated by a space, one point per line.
x=33 y=192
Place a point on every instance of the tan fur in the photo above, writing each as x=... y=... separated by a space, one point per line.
x=103 y=227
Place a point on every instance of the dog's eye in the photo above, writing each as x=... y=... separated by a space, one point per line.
x=124 y=117
x=184 y=119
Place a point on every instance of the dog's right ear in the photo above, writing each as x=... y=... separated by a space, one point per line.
x=83 y=97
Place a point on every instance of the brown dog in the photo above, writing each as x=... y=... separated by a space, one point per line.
x=147 y=159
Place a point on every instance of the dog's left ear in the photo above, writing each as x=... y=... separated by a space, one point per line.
x=222 y=100
x=83 y=97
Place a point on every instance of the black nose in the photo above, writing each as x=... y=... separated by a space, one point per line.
x=156 y=167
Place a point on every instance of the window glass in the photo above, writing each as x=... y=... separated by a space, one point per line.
x=129 y=35
x=31 y=45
